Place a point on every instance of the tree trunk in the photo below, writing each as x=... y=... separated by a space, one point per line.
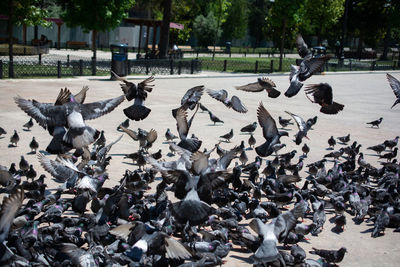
x=359 y=46
x=282 y=46
x=386 y=42
x=10 y=39
x=94 y=36
x=164 y=34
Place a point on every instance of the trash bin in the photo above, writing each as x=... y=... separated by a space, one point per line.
x=119 y=59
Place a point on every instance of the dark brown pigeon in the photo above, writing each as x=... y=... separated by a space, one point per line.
x=322 y=95
x=262 y=84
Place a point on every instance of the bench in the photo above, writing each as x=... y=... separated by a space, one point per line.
x=37 y=42
x=217 y=48
x=76 y=45
x=185 y=48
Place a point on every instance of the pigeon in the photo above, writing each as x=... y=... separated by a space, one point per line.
x=23 y=164
x=381 y=222
x=14 y=139
x=101 y=141
x=251 y=141
x=138 y=111
x=330 y=256
x=34 y=145
x=125 y=124
x=331 y=142
x=344 y=139
x=391 y=143
x=62 y=170
x=31 y=173
x=28 y=125
x=214 y=118
x=222 y=96
x=262 y=84
x=249 y=128
x=267 y=251
x=378 y=148
x=71 y=115
x=243 y=158
x=390 y=155
x=285 y=122
x=302 y=126
x=307 y=68
x=169 y=136
x=146 y=139
x=395 y=84
x=192 y=97
x=183 y=127
x=322 y=95
x=305 y=149
x=270 y=132
x=227 y=136
x=375 y=122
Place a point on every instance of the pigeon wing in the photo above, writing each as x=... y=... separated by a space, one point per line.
x=193 y=94
x=45 y=114
x=237 y=105
x=144 y=85
x=301 y=124
x=302 y=47
x=63 y=97
x=220 y=95
x=97 y=109
x=334 y=108
x=251 y=87
x=267 y=123
x=395 y=84
x=9 y=208
x=81 y=96
x=181 y=123
x=129 y=132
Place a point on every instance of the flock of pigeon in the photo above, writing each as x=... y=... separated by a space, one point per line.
x=203 y=206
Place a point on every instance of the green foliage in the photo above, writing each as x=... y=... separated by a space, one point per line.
x=319 y=16
x=205 y=29
x=236 y=21
x=99 y=15
x=29 y=12
x=284 y=13
x=258 y=12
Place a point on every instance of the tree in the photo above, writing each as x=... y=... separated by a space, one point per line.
x=319 y=16
x=164 y=33
x=205 y=28
x=392 y=23
x=236 y=22
x=283 y=22
x=258 y=12
x=20 y=12
x=95 y=15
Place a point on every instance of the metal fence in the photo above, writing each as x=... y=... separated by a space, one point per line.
x=47 y=65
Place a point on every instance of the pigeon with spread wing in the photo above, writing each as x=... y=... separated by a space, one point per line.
x=270 y=132
x=308 y=66
x=234 y=102
x=262 y=84
x=322 y=95
x=138 y=111
x=303 y=127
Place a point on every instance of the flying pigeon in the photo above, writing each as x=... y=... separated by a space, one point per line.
x=262 y=84
x=270 y=132
x=138 y=111
x=322 y=95
x=234 y=102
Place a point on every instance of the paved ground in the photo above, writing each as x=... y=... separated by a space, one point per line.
x=366 y=96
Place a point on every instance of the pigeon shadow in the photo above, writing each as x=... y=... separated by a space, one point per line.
x=370 y=230
x=249 y=148
x=26 y=130
x=31 y=153
x=245 y=259
x=337 y=229
x=357 y=221
x=117 y=154
x=329 y=148
x=285 y=129
x=10 y=145
x=128 y=163
x=1 y=137
x=215 y=124
x=170 y=154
